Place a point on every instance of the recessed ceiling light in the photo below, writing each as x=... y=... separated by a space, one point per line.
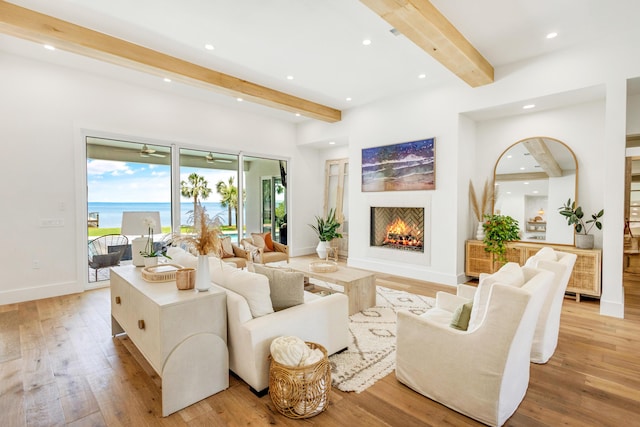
x=509 y=156
x=209 y=46
x=552 y=35
x=167 y=79
x=49 y=47
x=289 y=77
x=535 y=191
x=422 y=76
x=297 y=114
x=523 y=168
x=332 y=143
x=528 y=106
x=525 y=183
x=348 y=99
x=239 y=99
x=366 y=42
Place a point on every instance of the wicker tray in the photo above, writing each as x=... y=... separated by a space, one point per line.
x=301 y=392
x=160 y=273
x=323 y=266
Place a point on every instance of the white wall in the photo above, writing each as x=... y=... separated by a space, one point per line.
x=44 y=109
x=579 y=90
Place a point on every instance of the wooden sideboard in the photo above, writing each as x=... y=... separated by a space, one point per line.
x=182 y=334
x=586 y=278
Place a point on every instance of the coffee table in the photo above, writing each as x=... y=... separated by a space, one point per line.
x=359 y=285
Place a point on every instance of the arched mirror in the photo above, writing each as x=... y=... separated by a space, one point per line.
x=533 y=178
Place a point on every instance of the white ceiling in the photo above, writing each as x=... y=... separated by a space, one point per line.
x=319 y=42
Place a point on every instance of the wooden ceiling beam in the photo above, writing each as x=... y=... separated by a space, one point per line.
x=424 y=25
x=539 y=151
x=27 y=24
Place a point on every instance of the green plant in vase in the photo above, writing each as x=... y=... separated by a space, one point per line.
x=498 y=230
x=326 y=229
x=574 y=215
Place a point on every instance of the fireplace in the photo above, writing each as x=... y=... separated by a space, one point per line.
x=399 y=228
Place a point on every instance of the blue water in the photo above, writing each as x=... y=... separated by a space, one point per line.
x=111 y=212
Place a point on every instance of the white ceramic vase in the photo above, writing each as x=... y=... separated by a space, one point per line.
x=150 y=261
x=203 y=279
x=480 y=231
x=321 y=249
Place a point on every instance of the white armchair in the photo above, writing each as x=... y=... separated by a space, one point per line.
x=545 y=339
x=482 y=372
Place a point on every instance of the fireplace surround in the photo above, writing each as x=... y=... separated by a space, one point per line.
x=397 y=228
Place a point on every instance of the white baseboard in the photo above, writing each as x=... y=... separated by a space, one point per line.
x=39 y=292
x=612 y=308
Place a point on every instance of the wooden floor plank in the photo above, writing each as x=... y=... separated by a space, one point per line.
x=59 y=365
x=12 y=393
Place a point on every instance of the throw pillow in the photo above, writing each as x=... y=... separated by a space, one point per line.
x=105 y=260
x=287 y=287
x=263 y=241
x=227 y=247
x=460 y=318
x=253 y=287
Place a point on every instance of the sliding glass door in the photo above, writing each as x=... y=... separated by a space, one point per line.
x=265 y=185
x=124 y=176
x=211 y=179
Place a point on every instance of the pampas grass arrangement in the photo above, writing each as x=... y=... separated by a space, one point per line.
x=205 y=239
x=480 y=205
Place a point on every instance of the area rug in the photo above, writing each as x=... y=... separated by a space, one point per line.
x=372 y=354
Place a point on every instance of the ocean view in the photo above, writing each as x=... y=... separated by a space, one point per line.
x=111 y=212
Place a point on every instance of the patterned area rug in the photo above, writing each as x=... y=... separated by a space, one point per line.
x=372 y=355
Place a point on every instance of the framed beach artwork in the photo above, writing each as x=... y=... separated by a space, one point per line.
x=400 y=167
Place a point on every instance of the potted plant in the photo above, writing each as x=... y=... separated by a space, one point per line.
x=574 y=215
x=326 y=229
x=498 y=230
x=150 y=253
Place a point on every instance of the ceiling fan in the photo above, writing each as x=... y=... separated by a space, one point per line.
x=145 y=151
x=210 y=159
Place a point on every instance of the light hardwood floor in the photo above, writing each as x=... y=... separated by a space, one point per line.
x=60 y=366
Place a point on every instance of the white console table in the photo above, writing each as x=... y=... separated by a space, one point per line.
x=182 y=334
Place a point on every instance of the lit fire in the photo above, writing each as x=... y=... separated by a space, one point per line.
x=399 y=233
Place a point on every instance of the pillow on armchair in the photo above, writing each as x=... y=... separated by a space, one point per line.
x=263 y=241
x=227 y=247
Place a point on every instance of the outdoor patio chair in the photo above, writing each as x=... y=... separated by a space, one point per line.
x=106 y=251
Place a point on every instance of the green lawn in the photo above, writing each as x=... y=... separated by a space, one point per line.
x=97 y=231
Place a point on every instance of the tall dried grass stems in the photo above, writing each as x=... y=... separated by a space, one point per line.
x=205 y=238
x=480 y=205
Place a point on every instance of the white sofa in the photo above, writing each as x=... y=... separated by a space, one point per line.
x=252 y=322
x=482 y=372
x=322 y=320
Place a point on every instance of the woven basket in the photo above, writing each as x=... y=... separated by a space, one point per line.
x=301 y=392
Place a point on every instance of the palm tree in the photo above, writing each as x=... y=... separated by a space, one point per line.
x=229 y=195
x=197 y=186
